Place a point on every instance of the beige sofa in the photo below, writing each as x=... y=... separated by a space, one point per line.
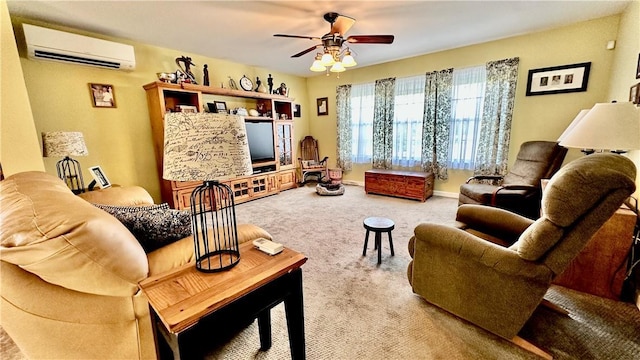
x=70 y=271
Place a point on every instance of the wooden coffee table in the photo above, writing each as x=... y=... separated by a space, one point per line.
x=184 y=301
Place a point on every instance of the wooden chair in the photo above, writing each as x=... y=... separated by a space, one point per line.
x=310 y=163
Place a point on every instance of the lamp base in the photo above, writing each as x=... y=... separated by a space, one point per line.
x=213 y=223
x=69 y=171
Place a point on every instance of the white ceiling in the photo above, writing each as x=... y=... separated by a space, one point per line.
x=242 y=31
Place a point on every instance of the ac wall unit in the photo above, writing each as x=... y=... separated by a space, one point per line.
x=49 y=44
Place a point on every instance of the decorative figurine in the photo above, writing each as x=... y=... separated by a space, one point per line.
x=260 y=88
x=205 y=77
x=187 y=68
x=282 y=90
x=270 y=83
x=232 y=84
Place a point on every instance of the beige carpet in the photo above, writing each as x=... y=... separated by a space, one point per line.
x=355 y=309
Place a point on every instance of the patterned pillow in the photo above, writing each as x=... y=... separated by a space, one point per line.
x=154 y=225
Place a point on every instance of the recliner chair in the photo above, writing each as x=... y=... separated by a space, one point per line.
x=494 y=269
x=519 y=190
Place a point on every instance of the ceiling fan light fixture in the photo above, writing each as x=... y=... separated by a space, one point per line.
x=327 y=59
x=337 y=67
x=348 y=60
x=317 y=66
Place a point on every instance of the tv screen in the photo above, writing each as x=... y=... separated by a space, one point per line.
x=260 y=137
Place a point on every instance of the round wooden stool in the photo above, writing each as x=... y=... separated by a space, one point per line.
x=378 y=225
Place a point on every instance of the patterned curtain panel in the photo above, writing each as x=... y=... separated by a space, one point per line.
x=436 y=122
x=383 y=123
x=343 y=113
x=495 y=128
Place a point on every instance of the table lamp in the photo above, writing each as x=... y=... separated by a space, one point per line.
x=66 y=144
x=208 y=147
x=607 y=126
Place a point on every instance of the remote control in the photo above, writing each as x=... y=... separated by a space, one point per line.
x=268 y=246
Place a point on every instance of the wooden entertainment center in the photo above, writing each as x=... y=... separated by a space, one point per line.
x=269 y=177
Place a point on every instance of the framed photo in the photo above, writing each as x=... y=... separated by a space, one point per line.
x=99 y=177
x=323 y=106
x=102 y=95
x=296 y=110
x=558 y=79
x=634 y=94
x=188 y=108
x=221 y=107
x=638 y=68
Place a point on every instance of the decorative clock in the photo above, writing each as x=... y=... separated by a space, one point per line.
x=246 y=83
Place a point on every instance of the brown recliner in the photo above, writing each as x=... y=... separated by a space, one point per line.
x=497 y=284
x=519 y=190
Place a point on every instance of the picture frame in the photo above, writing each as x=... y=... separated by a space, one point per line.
x=221 y=107
x=634 y=94
x=296 y=110
x=102 y=95
x=99 y=178
x=558 y=79
x=638 y=68
x=323 y=106
x=188 y=108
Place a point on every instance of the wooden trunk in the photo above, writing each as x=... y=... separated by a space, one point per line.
x=406 y=184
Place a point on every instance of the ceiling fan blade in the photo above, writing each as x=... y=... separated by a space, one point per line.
x=306 y=51
x=370 y=39
x=297 y=36
x=342 y=24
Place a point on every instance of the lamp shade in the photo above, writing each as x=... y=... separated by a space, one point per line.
x=573 y=124
x=63 y=143
x=205 y=147
x=607 y=126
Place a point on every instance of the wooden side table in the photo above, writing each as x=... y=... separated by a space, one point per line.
x=600 y=267
x=184 y=301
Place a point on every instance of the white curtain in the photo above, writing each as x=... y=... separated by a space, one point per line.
x=407 y=122
x=466 y=114
x=362 y=105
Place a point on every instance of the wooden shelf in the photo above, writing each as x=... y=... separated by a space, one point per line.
x=218 y=91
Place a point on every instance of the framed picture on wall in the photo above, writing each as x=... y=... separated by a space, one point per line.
x=323 y=106
x=99 y=178
x=558 y=79
x=638 y=68
x=102 y=95
x=634 y=94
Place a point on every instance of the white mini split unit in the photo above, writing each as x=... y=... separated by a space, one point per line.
x=49 y=44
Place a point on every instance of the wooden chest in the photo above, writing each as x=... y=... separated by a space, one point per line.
x=407 y=184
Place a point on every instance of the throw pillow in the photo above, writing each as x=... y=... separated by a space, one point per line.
x=154 y=225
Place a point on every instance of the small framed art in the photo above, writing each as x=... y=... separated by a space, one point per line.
x=99 y=177
x=558 y=79
x=634 y=94
x=323 y=106
x=102 y=95
x=221 y=107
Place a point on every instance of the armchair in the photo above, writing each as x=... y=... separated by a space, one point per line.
x=519 y=190
x=310 y=163
x=494 y=269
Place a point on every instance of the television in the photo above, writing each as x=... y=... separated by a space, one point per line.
x=260 y=138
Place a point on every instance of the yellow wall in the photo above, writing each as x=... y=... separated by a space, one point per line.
x=19 y=145
x=119 y=140
x=625 y=65
x=534 y=118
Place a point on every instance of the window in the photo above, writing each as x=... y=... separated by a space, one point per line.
x=467 y=99
x=362 y=102
x=407 y=122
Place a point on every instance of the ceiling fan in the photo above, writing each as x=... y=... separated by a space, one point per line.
x=333 y=41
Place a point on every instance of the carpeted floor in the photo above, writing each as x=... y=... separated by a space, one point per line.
x=356 y=309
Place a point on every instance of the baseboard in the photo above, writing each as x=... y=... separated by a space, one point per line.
x=446 y=194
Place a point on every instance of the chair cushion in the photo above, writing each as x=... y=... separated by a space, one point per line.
x=533 y=163
x=58 y=236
